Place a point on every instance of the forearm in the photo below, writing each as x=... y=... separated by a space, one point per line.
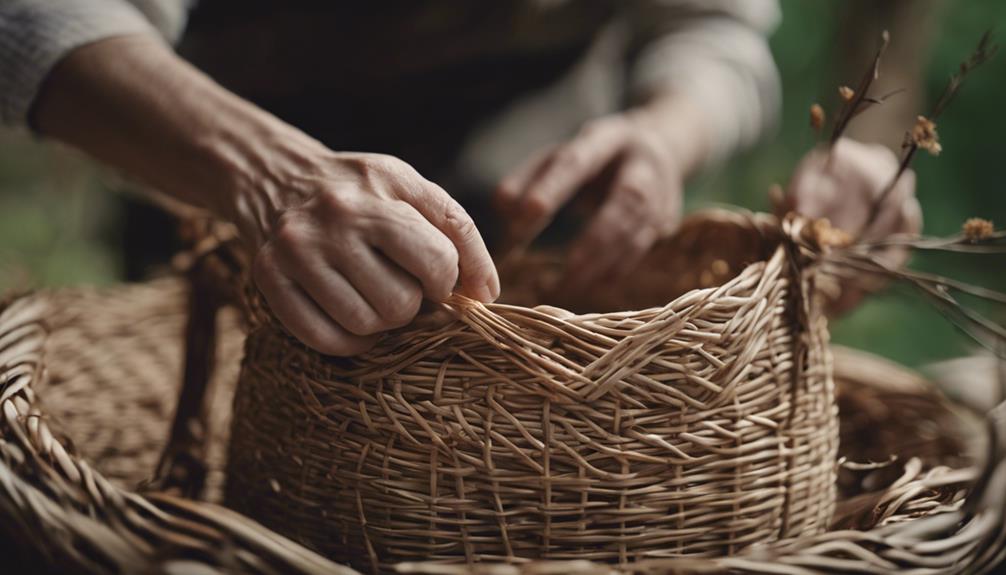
x=714 y=56
x=132 y=103
x=363 y=238
x=682 y=126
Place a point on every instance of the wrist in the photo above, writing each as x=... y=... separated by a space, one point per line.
x=679 y=126
x=257 y=167
x=134 y=104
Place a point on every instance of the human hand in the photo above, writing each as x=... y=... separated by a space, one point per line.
x=346 y=245
x=367 y=239
x=843 y=186
x=636 y=172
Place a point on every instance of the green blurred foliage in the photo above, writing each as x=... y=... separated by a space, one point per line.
x=55 y=211
x=54 y=218
x=965 y=180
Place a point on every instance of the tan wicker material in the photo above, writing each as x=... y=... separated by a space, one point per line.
x=137 y=334
x=58 y=512
x=707 y=249
x=509 y=433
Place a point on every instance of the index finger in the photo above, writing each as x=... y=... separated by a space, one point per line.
x=477 y=271
x=570 y=167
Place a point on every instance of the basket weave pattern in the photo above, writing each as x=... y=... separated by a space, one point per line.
x=511 y=433
x=60 y=511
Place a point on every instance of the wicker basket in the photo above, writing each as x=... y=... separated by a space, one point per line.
x=505 y=433
x=108 y=372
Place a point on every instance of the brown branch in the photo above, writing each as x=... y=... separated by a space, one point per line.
x=985 y=50
x=994 y=242
x=937 y=290
x=849 y=110
x=869 y=102
x=982 y=53
x=860 y=260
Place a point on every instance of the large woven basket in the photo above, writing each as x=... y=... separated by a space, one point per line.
x=507 y=433
x=86 y=410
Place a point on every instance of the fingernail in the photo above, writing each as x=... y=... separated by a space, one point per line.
x=487 y=293
x=494 y=288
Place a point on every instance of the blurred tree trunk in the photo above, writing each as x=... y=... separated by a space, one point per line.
x=913 y=24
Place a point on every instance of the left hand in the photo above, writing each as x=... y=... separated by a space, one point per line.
x=842 y=185
x=639 y=178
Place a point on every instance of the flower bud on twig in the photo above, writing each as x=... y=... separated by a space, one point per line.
x=816 y=117
x=924 y=135
x=978 y=229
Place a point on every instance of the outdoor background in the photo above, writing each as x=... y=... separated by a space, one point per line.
x=60 y=224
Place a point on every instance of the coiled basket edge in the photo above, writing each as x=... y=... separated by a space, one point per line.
x=86 y=410
x=506 y=433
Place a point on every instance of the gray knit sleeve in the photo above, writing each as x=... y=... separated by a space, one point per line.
x=36 y=34
x=715 y=52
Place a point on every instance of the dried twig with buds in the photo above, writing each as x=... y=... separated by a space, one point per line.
x=978 y=236
x=923 y=134
x=817 y=117
x=857 y=96
x=855 y=102
x=978 y=229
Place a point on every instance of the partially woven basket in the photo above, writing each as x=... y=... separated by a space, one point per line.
x=506 y=433
x=86 y=409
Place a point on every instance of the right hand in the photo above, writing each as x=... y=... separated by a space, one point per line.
x=367 y=239
x=346 y=244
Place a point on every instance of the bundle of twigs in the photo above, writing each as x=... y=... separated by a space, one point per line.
x=978 y=236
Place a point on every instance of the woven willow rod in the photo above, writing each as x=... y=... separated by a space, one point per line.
x=506 y=433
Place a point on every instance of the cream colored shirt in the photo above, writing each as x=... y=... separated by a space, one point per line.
x=611 y=52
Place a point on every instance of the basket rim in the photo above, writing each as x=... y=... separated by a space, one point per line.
x=64 y=477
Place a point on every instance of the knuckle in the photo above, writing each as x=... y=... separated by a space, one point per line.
x=442 y=271
x=634 y=194
x=402 y=215
x=402 y=306
x=371 y=168
x=290 y=232
x=444 y=260
x=536 y=207
x=334 y=203
x=393 y=219
x=362 y=322
x=569 y=157
x=375 y=163
x=508 y=189
x=389 y=163
x=459 y=220
x=598 y=126
x=622 y=234
x=644 y=240
x=387 y=166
